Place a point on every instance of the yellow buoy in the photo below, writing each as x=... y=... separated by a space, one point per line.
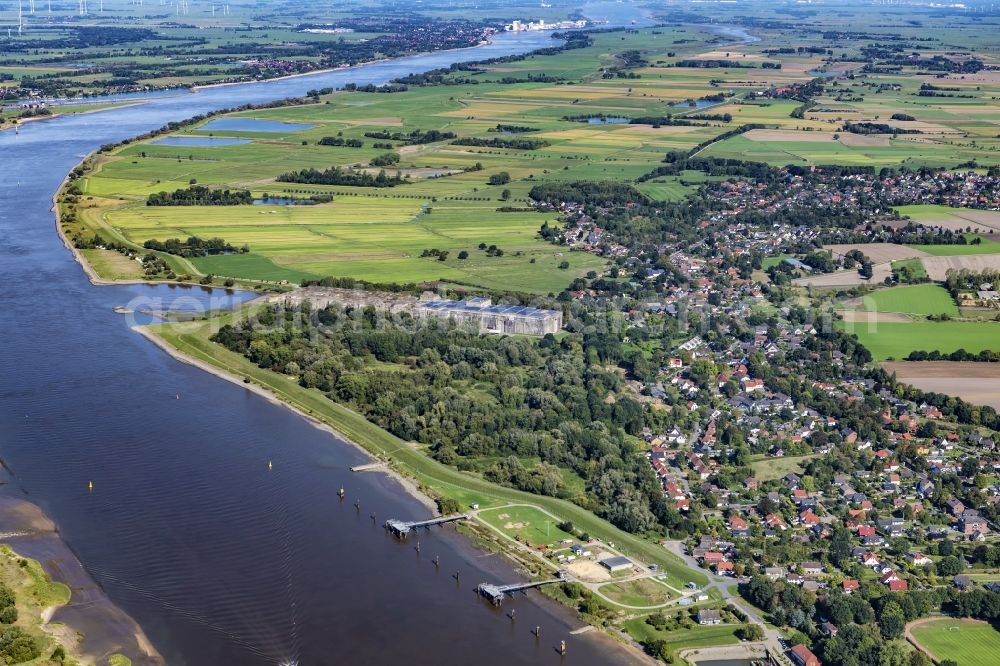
x=269 y=466
x=90 y=485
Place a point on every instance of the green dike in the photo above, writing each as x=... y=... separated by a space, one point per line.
x=192 y=339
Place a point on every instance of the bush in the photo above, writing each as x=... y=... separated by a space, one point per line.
x=8 y=615
x=447 y=505
x=750 y=632
x=17 y=647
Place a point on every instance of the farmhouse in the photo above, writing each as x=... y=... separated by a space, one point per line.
x=506 y=319
x=803 y=656
x=709 y=617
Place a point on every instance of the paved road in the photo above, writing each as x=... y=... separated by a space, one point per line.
x=726 y=587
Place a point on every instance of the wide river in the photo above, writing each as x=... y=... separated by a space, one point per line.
x=220 y=560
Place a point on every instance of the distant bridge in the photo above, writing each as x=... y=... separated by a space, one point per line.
x=497 y=593
x=401 y=528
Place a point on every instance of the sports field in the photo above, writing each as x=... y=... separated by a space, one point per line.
x=526 y=523
x=968 y=642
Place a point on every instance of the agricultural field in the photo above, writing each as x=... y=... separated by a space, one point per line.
x=450 y=203
x=978 y=383
x=447 y=202
x=975 y=245
x=968 y=642
x=895 y=340
x=955 y=219
x=924 y=299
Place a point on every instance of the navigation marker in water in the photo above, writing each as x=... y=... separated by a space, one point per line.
x=269 y=466
x=90 y=486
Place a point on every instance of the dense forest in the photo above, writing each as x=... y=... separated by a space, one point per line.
x=544 y=416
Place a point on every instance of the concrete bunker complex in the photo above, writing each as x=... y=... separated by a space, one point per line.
x=505 y=319
x=481 y=313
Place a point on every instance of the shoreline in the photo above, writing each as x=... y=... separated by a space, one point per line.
x=92 y=627
x=338 y=68
x=53 y=116
x=408 y=484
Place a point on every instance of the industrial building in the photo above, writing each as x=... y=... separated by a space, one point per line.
x=506 y=319
x=615 y=564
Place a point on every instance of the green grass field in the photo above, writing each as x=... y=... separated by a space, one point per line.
x=896 y=340
x=922 y=299
x=684 y=639
x=984 y=246
x=967 y=642
x=643 y=592
x=913 y=268
x=767 y=468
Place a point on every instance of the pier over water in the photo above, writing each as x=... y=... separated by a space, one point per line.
x=401 y=528
x=497 y=593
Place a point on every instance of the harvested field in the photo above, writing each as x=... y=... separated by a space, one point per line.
x=938 y=267
x=925 y=127
x=389 y=121
x=730 y=55
x=878 y=252
x=849 y=139
x=955 y=219
x=846 y=278
x=787 y=135
x=864 y=317
x=987 y=77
